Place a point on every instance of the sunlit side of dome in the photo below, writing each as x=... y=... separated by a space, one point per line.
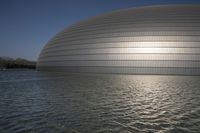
x=146 y=40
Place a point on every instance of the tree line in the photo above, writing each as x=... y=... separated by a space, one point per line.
x=9 y=63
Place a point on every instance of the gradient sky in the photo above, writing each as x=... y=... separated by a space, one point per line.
x=27 y=25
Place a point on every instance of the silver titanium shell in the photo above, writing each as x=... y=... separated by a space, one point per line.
x=146 y=40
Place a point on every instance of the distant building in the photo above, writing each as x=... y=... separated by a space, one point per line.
x=146 y=40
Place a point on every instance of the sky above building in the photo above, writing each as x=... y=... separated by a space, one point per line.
x=27 y=25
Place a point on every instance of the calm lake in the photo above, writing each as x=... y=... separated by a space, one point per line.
x=38 y=102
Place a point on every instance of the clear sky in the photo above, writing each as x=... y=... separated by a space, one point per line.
x=27 y=25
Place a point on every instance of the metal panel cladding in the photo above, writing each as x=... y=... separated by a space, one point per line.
x=146 y=40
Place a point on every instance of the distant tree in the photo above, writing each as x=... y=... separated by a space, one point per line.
x=16 y=63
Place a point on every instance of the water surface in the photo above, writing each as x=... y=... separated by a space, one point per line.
x=38 y=102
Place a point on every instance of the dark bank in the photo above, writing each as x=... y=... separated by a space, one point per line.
x=18 y=63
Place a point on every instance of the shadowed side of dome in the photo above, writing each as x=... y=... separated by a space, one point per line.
x=147 y=40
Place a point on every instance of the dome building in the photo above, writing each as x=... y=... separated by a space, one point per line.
x=146 y=40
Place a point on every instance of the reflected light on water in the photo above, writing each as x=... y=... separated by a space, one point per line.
x=98 y=103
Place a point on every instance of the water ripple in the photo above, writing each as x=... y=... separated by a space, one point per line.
x=39 y=102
